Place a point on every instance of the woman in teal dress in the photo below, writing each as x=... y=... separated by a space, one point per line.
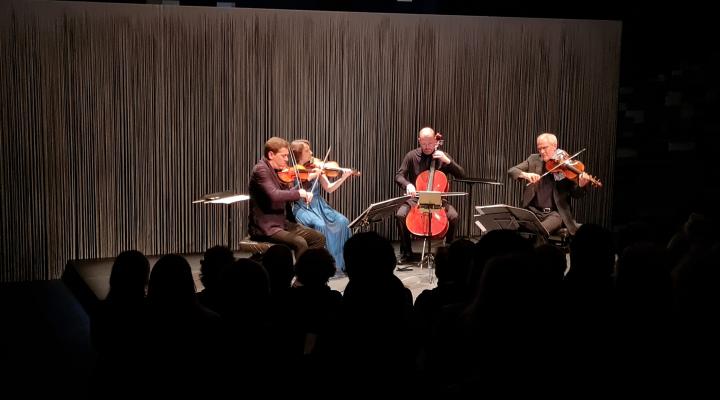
x=319 y=215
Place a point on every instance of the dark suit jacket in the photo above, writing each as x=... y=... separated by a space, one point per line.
x=563 y=190
x=270 y=201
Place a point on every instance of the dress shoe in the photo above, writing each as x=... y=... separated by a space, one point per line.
x=409 y=258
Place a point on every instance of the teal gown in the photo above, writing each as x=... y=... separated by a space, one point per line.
x=325 y=219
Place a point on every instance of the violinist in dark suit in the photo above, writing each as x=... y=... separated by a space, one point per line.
x=549 y=197
x=415 y=162
x=271 y=218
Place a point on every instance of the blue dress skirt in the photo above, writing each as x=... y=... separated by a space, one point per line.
x=325 y=219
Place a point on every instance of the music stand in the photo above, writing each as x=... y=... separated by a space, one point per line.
x=427 y=202
x=376 y=212
x=470 y=182
x=227 y=198
x=503 y=216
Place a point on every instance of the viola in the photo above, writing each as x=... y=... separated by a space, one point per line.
x=434 y=223
x=571 y=168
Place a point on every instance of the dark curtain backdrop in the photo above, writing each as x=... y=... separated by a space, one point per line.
x=116 y=117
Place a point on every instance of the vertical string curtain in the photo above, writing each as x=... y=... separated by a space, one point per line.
x=114 y=118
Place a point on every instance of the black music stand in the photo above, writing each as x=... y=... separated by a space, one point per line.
x=427 y=202
x=227 y=198
x=376 y=212
x=503 y=216
x=469 y=183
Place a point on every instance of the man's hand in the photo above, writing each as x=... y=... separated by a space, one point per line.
x=410 y=189
x=530 y=177
x=582 y=180
x=442 y=156
x=306 y=195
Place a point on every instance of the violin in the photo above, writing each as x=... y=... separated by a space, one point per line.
x=288 y=175
x=571 y=168
x=331 y=169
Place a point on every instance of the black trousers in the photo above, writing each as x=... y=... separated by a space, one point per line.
x=405 y=239
x=550 y=219
x=299 y=238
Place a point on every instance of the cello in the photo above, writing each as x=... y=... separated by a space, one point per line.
x=434 y=223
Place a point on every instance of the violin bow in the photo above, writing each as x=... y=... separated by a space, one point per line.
x=564 y=162
x=559 y=164
x=297 y=173
x=322 y=169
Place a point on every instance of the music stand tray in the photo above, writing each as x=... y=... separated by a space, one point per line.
x=485 y=181
x=503 y=216
x=430 y=200
x=377 y=211
x=227 y=198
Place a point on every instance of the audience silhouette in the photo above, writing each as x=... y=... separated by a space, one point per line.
x=501 y=309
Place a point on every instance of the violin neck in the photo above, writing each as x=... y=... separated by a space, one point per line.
x=354 y=171
x=572 y=168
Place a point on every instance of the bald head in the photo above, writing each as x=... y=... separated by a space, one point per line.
x=426 y=132
x=427 y=140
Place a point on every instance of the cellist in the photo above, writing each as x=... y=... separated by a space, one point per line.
x=415 y=162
